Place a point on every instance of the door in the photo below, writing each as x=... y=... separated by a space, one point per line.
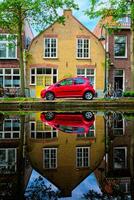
x=118 y=79
x=41 y=83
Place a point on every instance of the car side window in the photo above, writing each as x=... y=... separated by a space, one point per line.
x=66 y=82
x=79 y=81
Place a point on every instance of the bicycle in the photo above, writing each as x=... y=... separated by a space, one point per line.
x=112 y=93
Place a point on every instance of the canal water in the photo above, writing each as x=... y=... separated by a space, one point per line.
x=67 y=155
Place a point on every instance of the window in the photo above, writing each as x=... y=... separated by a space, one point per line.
x=82 y=48
x=10 y=129
x=79 y=81
x=118 y=126
x=50 y=48
x=50 y=158
x=120 y=46
x=120 y=157
x=43 y=76
x=42 y=131
x=87 y=73
x=82 y=156
x=8 y=48
x=9 y=78
x=66 y=82
x=8 y=160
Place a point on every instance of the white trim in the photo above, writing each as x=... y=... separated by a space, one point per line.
x=7 y=42
x=50 y=57
x=50 y=166
x=7 y=158
x=126 y=45
x=89 y=49
x=123 y=128
x=88 y=157
x=125 y=148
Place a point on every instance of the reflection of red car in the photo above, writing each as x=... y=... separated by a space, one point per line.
x=79 y=123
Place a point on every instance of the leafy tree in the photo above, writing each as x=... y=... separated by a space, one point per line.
x=40 y=13
x=39 y=191
x=117 y=9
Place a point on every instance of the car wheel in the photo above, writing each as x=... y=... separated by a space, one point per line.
x=88 y=95
x=49 y=115
x=49 y=96
x=88 y=115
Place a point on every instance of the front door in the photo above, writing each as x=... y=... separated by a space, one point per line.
x=42 y=82
x=118 y=79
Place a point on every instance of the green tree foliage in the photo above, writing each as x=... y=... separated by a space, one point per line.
x=117 y=9
x=39 y=13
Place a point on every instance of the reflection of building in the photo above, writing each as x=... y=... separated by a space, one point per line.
x=12 y=182
x=64 y=159
x=65 y=50
x=120 y=157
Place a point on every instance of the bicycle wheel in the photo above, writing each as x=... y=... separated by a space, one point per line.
x=119 y=93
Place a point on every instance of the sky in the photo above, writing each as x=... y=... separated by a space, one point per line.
x=90 y=183
x=79 y=14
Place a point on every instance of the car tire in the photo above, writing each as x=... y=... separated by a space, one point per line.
x=50 y=96
x=88 y=115
x=49 y=116
x=88 y=95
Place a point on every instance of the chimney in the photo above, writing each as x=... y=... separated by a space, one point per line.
x=67 y=13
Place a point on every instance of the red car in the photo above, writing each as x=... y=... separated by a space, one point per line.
x=70 y=87
x=79 y=123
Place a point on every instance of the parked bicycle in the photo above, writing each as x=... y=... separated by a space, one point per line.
x=113 y=93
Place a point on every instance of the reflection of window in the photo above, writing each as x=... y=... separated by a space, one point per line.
x=82 y=156
x=83 y=48
x=8 y=48
x=43 y=76
x=50 y=48
x=50 y=158
x=10 y=129
x=9 y=77
x=87 y=73
x=66 y=82
x=120 y=46
x=120 y=157
x=89 y=134
x=8 y=160
x=124 y=187
x=42 y=131
x=118 y=127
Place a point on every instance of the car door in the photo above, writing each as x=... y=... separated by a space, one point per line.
x=64 y=88
x=79 y=84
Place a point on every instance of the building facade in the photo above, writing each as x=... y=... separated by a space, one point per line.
x=65 y=50
x=9 y=57
x=117 y=47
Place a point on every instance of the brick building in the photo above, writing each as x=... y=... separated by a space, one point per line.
x=117 y=47
x=9 y=57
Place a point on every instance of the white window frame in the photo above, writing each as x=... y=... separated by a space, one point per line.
x=35 y=75
x=50 y=57
x=11 y=132
x=12 y=75
x=6 y=164
x=123 y=128
x=83 y=57
x=35 y=132
x=85 y=134
x=125 y=149
x=82 y=166
x=126 y=46
x=50 y=165
x=87 y=75
x=7 y=43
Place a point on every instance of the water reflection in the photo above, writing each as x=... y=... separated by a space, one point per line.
x=69 y=150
